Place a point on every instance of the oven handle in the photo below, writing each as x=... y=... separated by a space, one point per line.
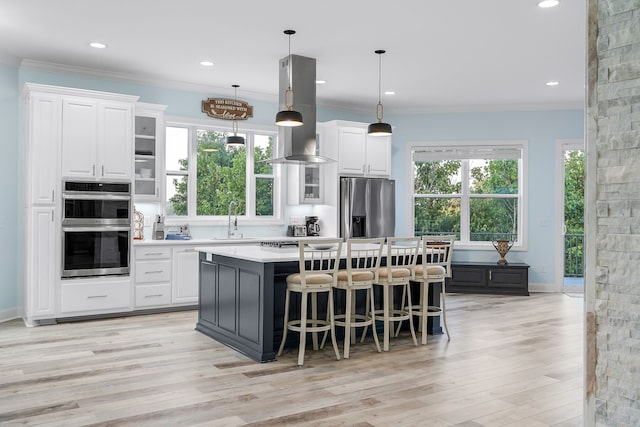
x=96 y=196
x=98 y=228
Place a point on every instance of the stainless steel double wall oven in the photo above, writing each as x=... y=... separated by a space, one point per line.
x=96 y=228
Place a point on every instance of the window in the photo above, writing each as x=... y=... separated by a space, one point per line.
x=204 y=175
x=471 y=190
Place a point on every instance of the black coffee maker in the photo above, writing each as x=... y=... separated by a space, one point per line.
x=313 y=228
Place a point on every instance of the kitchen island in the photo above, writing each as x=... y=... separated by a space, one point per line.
x=242 y=293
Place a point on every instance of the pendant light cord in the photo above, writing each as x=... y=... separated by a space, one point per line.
x=379 y=107
x=379 y=76
x=289 y=91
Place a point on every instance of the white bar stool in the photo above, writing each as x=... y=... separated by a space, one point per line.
x=363 y=263
x=402 y=253
x=435 y=268
x=319 y=261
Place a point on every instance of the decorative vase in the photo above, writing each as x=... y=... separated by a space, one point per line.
x=502 y=246
x=138 y=225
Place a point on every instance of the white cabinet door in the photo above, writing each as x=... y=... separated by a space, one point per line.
x=378 y=155
x=184 y=282
x=43 y=147
x=97 y=138
x=352 y=146
x=79 y=137
x=148 y=143
x=115 y=140
x=40 y=263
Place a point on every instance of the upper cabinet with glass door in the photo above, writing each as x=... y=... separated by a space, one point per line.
x=149 y=143
x=305 y=182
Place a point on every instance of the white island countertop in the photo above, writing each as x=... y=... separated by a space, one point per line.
x=254 y=253
x=257 y=253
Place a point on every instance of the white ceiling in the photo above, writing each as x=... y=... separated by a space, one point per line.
x=452 y=55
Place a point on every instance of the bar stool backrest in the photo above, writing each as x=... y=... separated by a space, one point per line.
x=364 y=255
x=438 y=250
x=403 y=252
x=319 y=257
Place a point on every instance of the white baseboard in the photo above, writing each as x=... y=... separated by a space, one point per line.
x=544 y=287
x=8 y=314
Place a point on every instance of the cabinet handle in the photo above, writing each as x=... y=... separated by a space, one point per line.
x=53 y=195
x=102 y=170
x=189 y=250
x=157 y=191
x=153 y=253
x=489 y=274
x=93 y=170
x=52 y=216
x=153 y=272
x=97 y=296
x=153 y=296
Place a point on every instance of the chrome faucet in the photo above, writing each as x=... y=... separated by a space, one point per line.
x=232 y=232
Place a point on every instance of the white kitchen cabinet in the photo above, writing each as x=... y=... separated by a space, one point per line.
x=184 y=283
x=97 y=138
x=95 y=296
x=79 y=137
x=148 y=147
x=378 y=156
x=305 y=184
x=152 y=276
x=358 y=153
x=42 y=148
x=68 y=133
x=40 y=259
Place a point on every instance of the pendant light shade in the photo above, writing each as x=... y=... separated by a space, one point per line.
x=289 y=117
x=235 y=139
x=379 y=128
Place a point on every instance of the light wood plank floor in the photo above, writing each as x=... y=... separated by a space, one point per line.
x=512 y=361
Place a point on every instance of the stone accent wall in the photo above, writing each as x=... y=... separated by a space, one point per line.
x=613 y=121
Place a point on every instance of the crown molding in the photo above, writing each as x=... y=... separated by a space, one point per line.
x=144 y=79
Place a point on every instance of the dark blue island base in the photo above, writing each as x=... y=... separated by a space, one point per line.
x=242 y=304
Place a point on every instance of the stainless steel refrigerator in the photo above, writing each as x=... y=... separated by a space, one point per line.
x=367 y=207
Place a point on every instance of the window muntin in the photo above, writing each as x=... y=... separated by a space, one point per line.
x=474 y=192
x=205 y=177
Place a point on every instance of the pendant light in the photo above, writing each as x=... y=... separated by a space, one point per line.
x=379 y=128
x=289 y=117
x=235 y=140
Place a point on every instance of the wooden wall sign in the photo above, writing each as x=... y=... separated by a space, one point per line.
x=227 y=109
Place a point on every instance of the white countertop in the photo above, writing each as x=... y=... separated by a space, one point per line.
x=258 y=253
x=216 y=241
x=254 y=252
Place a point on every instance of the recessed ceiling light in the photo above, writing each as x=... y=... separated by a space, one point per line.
x=389 y=92
x=553 y=83
x=321 y=82
x=548 y=3
x=206 y=63
x=97 y=45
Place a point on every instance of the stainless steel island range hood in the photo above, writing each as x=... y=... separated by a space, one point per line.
x=299 y=144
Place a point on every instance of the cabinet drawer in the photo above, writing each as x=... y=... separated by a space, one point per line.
x=104 y=296
x=153 y=271
x=152 y=295
x=508 y=278
x=154 y=252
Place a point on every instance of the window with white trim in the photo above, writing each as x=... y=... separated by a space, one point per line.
x=204 y=175
x=473 y=190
